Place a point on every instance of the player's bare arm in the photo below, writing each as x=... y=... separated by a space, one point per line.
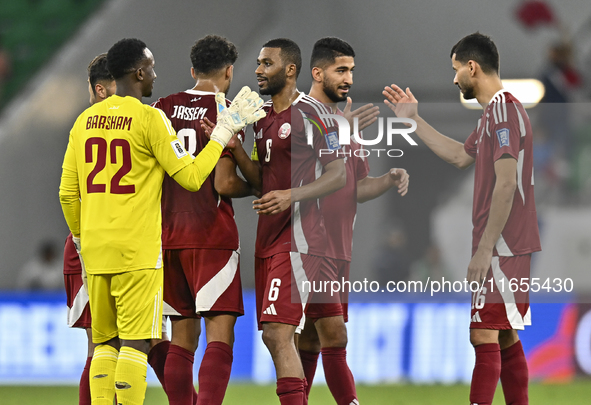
x=333 y=179
x=227 y=182
x=500 y=208
x=249 y=169
x=405 y=105
x=369 y=188
x=366 y=115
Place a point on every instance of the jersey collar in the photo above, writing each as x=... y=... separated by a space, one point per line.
x=496 y=94
x=297 y=100
x=200 y=93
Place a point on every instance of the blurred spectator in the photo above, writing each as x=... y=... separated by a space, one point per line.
x=562 y=82
x=392 y=262
x=43 y=272
x=5 y=68
x=430 y=265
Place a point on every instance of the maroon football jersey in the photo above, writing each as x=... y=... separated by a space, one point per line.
x=201 y=219
x=287 y=161
x=339 y=209
x=504 y=128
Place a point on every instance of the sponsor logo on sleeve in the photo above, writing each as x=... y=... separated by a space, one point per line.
x=178 y=149
x=503 y=136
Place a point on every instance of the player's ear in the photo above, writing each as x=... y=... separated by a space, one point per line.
x=317 y=74
x=230 y=72
x=139 y=74
x=291 y=70
x=472 y=67
x=193 y=74
x=100 y=91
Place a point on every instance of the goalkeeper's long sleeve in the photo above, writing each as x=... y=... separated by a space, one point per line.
x=70 y=200
x=193 y=175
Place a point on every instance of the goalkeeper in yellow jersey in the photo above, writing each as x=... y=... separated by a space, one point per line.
x=110 y=193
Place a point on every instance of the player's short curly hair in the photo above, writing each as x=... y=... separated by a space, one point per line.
x=290 y=52
x=98 y=72
x=212 y=53
x=125 y=56
x=327 y=49
x=481 y=49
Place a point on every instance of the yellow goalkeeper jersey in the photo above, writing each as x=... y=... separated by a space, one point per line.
x=111 y=182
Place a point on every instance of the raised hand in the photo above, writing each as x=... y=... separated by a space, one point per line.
x=404 y=104
x=366 y=114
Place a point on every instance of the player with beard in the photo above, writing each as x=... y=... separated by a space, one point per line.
x=110 y=195
x=332 y=65
x=200 y=238
x=291 y=239
x=505 y=230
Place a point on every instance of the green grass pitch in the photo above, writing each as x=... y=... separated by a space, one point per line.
x=577 y=393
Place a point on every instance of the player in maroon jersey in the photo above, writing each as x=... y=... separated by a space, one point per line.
x=505 y=230
x=332 y=65
x=291 y=238
x=200 y=238
x=100 y=86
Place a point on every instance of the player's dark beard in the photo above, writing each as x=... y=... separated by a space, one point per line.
x=331 y=92
x=469 y=93
x=274 y=84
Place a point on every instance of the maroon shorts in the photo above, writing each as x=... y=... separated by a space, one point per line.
x=77 y=299
x=498 y=307
x=201 y=282
x=281 y=291
x=325 y=304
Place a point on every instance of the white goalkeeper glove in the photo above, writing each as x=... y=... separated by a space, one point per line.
x=76 y=241
x=245 y=109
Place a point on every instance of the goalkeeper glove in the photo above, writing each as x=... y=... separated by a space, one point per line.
x=245 y=109
x=78 y=247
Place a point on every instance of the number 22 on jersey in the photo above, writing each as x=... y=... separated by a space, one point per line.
x=100 y=162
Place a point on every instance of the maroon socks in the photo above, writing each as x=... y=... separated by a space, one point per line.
x=214 y=373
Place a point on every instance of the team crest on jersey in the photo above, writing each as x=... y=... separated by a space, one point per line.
x=332 y=141
x=285 y=130
x=503 y=135
x=178 y=149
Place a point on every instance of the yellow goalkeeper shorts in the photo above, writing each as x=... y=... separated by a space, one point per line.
x=128 y=305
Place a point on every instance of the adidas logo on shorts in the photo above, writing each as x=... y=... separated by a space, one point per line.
x=354 y=402
x=270 y=310
x=476 y=318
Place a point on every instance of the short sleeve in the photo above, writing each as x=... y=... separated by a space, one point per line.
x=326 y=143
x=505 y=130
x=470 y=146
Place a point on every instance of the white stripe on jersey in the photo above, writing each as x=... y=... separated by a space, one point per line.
x=167 y=122
x=521 y=124
x=299 y=274
x=209 y=294
x=520 y=174
x=319 y=108
x=298 y=230
x=504 y=105
x=513 y=315
x=78 y=306
x=502 y=247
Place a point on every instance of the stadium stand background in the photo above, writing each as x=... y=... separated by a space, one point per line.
x=405 y=43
